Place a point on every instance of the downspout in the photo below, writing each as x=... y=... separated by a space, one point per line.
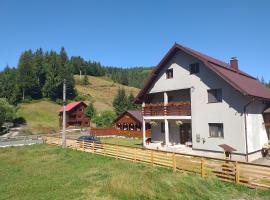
x=245 y=119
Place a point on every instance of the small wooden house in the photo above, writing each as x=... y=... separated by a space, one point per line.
x=130 y=120
x=75 y=115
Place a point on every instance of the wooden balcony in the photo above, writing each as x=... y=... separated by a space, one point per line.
x=171 y=109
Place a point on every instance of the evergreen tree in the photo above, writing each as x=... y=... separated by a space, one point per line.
x=9 y=85
x=90 y=111
x=120 y=102
x=28 y=83
x=130 y=102
x=85 y=80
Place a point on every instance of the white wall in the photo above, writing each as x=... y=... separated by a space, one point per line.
x=256 y=132
x=229 y=112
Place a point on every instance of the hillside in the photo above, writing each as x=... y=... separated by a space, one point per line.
x=41 y=116
x=101 y=91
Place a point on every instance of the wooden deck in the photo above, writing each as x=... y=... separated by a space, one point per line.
x=171 y=109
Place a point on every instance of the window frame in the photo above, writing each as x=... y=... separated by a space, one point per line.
x=169 y=73
x=218 y=125
x=196 y=68
x=218 y=96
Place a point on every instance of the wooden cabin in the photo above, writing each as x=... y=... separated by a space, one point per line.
x=74 y=115
x=130 y=120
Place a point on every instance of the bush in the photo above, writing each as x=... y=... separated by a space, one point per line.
x=90 y=111
x=7 y=112
x=59 y=101
x=27 y=99
x=104 y=119
x=80 y=98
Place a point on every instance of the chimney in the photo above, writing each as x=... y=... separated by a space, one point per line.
x=234 y=63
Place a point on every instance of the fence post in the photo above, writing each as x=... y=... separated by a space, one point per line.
x=93 y=147
x=202 y=168
x=152 y=158
x=174 y=162
x=117 y=149
x=237 y=174
x=104 y=153
x=83 y=145
x=135 y=155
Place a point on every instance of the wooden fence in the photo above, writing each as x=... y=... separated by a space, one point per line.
x=248 y=174
x=114 y=131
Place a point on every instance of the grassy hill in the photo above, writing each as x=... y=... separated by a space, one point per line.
x=101 y=91
x=42 y=115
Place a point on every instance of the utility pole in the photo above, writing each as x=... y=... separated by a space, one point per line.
x=64 y=115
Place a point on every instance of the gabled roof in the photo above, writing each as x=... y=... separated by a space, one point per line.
x=241 y=81
x=137 y=115
x=71 y=105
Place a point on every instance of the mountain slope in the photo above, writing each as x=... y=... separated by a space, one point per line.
x=101 y=91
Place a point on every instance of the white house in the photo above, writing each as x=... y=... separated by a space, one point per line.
x=194 y=100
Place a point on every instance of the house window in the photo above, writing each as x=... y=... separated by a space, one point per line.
x=162 y=127
x=169 y=73
x=216 y=130
x=214 y=95
x=194 y=68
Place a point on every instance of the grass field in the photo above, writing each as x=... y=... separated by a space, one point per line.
x=47 y=172
x=41 y=116
x=101 y=91
x=134 y=142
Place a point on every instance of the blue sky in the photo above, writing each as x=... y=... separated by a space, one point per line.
x=138 y=33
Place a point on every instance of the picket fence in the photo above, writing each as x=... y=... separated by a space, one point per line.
x=248 y=174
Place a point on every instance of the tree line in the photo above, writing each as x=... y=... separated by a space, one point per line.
x=41 y=73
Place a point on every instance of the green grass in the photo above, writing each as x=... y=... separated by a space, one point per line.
x=47 y=172
x=134 y=142
x=41 y=116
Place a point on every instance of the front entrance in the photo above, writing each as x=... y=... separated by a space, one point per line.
x=185 y=133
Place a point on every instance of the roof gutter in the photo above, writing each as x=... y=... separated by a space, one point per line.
x=245 y=124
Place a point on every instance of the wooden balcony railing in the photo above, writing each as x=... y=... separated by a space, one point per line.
x=172 y=108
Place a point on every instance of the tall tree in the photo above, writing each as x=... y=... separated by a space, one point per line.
x=28 y=82
x=9 y=85
x=120 y=101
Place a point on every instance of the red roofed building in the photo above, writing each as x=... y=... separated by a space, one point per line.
x=74 y=115
x=191 y=99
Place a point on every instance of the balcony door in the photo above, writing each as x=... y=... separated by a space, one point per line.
x=185 y=133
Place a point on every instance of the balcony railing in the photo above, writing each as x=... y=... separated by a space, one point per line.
x=171 y=109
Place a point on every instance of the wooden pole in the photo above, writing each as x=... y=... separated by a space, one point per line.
x=152 y=158
x=237 y=174
x=117 y=151
x=135 y=155
x=202 y=168
x=174 y=162
x=93 y=147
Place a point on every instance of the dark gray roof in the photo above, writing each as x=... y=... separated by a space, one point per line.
x=136 y=114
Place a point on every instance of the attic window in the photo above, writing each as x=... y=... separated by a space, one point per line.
x=194 y=68
x=169 y=73
x=214 y=95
